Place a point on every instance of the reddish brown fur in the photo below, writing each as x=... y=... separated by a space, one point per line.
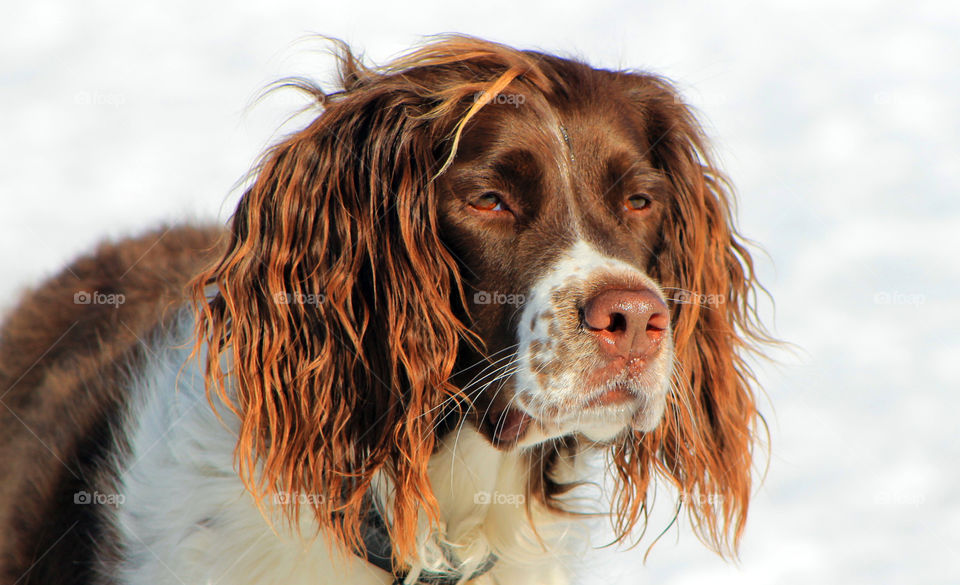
x=330 y=395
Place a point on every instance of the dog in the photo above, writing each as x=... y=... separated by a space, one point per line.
x=475 y=270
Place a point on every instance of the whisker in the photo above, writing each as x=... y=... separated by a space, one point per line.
x=482 y=375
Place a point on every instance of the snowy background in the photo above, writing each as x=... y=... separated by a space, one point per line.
x=839 y=123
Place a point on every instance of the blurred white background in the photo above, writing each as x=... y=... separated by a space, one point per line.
x=838 y=122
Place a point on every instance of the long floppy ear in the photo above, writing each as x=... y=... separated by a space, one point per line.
x=705 y=443
x=333 y=305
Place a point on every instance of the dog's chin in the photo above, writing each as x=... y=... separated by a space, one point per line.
x=601 y=420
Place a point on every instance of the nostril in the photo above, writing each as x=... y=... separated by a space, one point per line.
x=658 y=321
x=656 y=325
x=618 y=322
x=599 y=317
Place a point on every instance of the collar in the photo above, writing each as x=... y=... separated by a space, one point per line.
x=379 y=552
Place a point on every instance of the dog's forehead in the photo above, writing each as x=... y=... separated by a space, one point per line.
x=582 y=141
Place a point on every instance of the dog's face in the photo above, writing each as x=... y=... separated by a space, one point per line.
x=555 y=212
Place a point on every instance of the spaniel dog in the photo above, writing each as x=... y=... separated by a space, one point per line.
x=477 y=270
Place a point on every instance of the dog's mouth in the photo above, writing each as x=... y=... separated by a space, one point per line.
x=613 y=407
x=616 y=395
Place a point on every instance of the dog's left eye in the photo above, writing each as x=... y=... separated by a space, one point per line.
x=489 y=201
x=637 y=202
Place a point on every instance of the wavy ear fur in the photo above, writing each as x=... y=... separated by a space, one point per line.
x=704 y=445
x=333 y=304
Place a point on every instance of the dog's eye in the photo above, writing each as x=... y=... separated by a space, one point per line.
x=637 y=202
x=489 y=201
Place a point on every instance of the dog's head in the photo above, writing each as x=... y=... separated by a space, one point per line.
x=479 y=235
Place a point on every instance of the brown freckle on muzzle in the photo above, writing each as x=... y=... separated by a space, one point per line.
x=537 y=363
x=551 y=368
x=546 y=371
x=535 y=348
x=543 y=379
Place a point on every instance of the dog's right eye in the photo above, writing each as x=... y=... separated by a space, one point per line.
x=638 y=202
x=489 y=201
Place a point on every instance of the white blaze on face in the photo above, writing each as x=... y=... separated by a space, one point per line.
x=559 y=361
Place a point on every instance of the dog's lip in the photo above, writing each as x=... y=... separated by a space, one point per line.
x=618 y=394
x=509 y=425
x=616 y=372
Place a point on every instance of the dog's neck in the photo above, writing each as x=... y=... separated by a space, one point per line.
x=483 y=494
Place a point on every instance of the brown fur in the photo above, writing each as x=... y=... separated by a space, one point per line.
x=63 y=376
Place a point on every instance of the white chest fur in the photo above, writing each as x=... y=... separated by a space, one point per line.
x=186 y=518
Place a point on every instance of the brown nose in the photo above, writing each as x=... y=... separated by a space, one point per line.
x=628 y=323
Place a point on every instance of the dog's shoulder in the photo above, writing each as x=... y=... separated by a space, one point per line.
x=67 y=350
